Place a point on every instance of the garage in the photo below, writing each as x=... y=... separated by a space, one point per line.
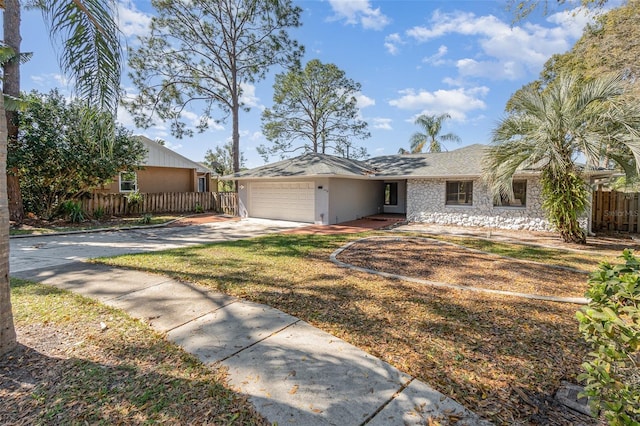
x=293 y=201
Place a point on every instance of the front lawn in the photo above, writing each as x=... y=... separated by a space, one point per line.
x=79 y=362
x=503 y=357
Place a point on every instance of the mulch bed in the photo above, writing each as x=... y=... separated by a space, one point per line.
x=436 y=261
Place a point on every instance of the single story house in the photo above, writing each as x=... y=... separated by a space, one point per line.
x=162 y=170
x=441 y=188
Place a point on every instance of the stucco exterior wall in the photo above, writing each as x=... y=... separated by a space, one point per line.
x=426 y=203
x=351 y=199
x=160 y=179
x=166 y=179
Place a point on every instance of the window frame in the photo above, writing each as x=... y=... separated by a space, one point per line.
x=467 y=194
x=504 y=201
x=390 y=188
x=134 y=182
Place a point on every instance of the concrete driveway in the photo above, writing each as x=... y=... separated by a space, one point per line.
x=36 y=252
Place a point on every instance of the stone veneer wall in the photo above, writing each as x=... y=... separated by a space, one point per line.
x=426 y=203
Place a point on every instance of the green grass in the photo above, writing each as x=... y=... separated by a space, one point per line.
x=473 y=347
x=123 y=374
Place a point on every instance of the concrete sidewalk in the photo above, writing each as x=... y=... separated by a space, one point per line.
x=293 y=373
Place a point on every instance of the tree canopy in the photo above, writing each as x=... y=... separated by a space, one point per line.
x=521 y=9
x=64 y=150
x=200 y=53
x=431 y=138
x=609 y=45
x=549 y=129
x=221 y=160
x=314 y=109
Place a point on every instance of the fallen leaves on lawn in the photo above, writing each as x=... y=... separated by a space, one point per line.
x=436 y=261
x=474 y=347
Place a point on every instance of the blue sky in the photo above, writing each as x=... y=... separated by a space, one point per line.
x=411 y=57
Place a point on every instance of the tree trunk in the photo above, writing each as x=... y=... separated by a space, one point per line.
x=11 y=87
x=16 y=206
x=575 y=237
x=7 y=330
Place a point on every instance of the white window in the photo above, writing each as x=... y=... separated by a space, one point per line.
x=202 y=184
x=128 y=182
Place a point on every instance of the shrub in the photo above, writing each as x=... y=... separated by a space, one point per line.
x=134 y=198
x=72 y=211
x=98 y=213
x=610 y=323
x=146 y=219
x=199 y=208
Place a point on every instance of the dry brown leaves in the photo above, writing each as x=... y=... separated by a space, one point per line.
x=448 y=263
x=502 y=357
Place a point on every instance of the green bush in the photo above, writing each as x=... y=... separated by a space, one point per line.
x=72 y=210
x=134 y=198
x=98 y=213
x=146 y=219
x=610 y=323
x=199 y=208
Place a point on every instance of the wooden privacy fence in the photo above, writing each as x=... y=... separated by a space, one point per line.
x=615 y=211
x=164 y=202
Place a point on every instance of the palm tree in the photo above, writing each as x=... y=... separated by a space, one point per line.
x=92 y=56
x=432 y=125
x=550 y=129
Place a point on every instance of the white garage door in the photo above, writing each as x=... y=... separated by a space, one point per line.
x=284 y=201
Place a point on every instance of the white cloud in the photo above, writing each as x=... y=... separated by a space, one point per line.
x=256 y=136
x=364 y=101
x=457 y=102
x=449 y=81
x=171 y=146
x=356 y=12
x=249 y=97
x=573 y=21
x=436 y=58
x=62 y=80
x=391 y=43
x=506 y=51
x=131 y=21
x=124 y=117
x=49 y=81
x=382 y=123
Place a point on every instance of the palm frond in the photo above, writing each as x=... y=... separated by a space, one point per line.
x=91 y=51
x=12 y=103
x=417 y=142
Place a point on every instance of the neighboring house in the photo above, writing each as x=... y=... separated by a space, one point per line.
x=162 y=170
x=442 y=188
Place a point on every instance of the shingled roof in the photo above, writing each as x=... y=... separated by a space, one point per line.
x=311 y=164
x=463 y=162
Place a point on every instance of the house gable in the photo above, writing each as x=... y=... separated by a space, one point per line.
x=161 y=156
